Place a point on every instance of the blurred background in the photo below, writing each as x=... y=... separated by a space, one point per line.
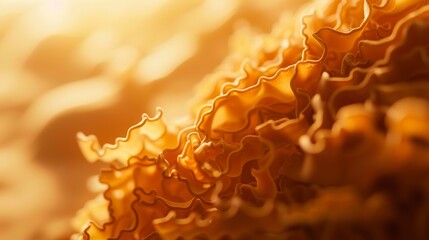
x=95 y=66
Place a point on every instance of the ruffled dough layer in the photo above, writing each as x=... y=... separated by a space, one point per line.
x=318 y=130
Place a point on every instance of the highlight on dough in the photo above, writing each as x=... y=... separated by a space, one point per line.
x=214 y=119
x=316 y=130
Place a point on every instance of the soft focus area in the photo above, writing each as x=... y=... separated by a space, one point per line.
x=69 y=66
x=214 y=120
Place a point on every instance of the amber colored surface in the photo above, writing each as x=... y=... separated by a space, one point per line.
x=317 y=130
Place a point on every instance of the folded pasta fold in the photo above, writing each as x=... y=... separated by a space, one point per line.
x=319 y=131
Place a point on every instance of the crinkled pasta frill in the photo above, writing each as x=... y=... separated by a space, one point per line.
x=318 y=131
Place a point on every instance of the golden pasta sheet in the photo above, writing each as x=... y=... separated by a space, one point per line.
x=317 y=130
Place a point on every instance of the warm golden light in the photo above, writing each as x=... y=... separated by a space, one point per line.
x=317 y=129
x=69 y=66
